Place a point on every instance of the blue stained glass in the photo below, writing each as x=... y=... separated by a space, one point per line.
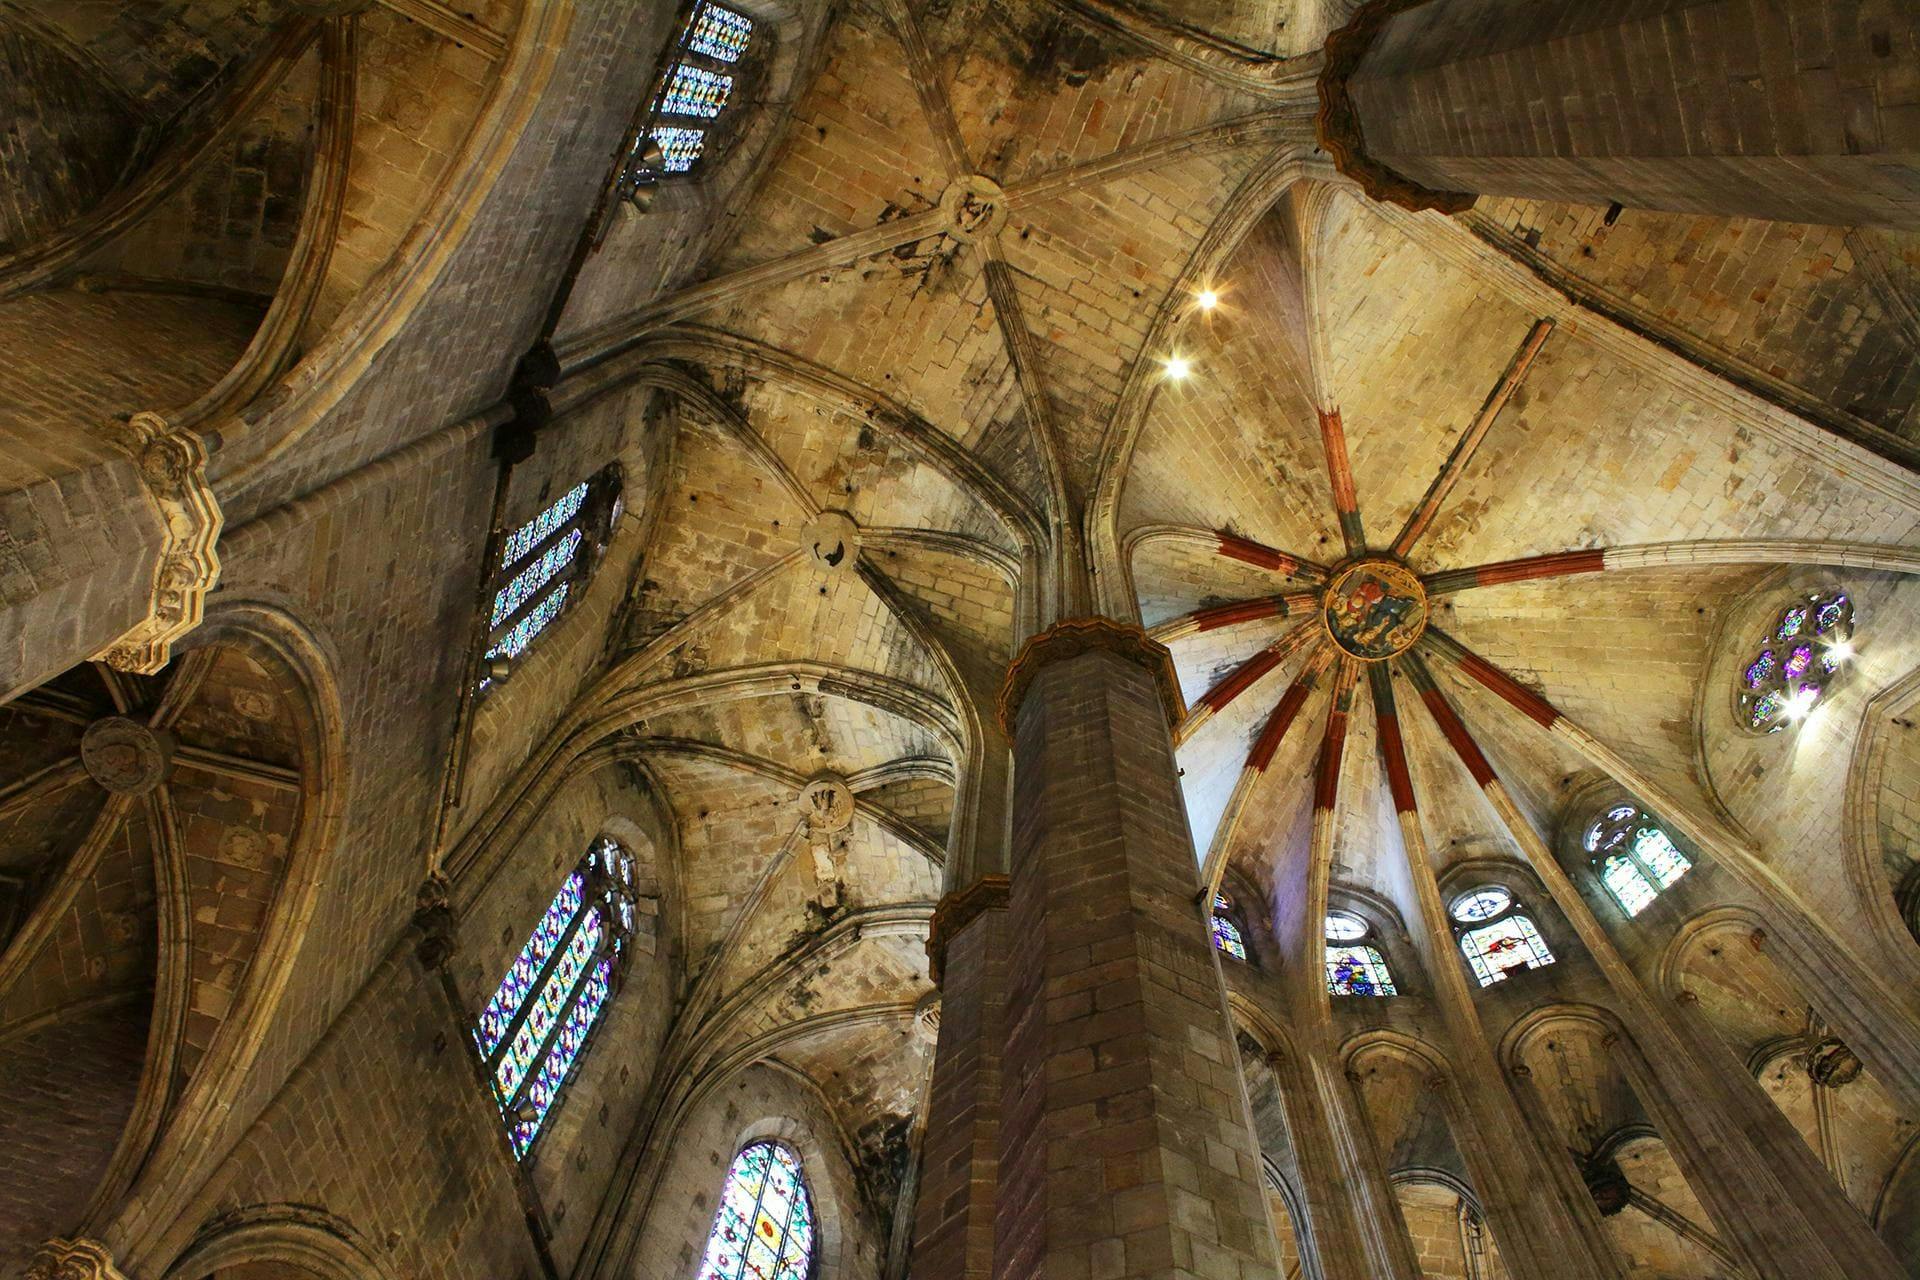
x=1226 y=934
x=1765 y=707
x=679 y=146
x=515 y=642
x=535 y=531
x=528 y=964
x=1790 y=622
x=1484 y=903
x=535 y=576
x=560 y=1055
x=764 y=1228
x=1495 y=949
x=1761 y=669
x=532 y=1036
x=695 y=91
x=1830 y=614
x=719 y=33
x=1357 y=971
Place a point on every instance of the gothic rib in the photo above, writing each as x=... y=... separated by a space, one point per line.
x=1422 y=516
x=1660 y=555
x=935 y=104
x=1739 y=856
x=1326 y=795
x=1279 y=722
x=1214 y=617
x=1242 y=678
x=1346 y=503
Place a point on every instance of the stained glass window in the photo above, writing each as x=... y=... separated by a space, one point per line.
x=695 y=89
x=1484 y=903
x=1357 y=971
x=1807 y=646
x=719 y=33
x=1344 y=926
x=764 y=1229
x=532 y=1031
x=1635 y=856
x=541 y=561
x=1509 y=943
x=1226 y=934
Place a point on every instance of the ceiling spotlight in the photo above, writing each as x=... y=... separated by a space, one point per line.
x=1207 y=299
x=1178 y=367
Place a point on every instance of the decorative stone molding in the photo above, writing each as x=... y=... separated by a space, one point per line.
x=828 y=803
x=125 y=756
x=958 y=910
x=174 y=466
x=926 y=1017
x=1831 y=1065
x=974 y=206
x=1338 y=122
x=433 y=919
x=832 y=542
x=59 y=1259
x=1607 y=1185
x=1071 y=637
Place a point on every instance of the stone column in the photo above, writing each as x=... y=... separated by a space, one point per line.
x=1125 y=1151
x=953 y=1220
x=1795 y=110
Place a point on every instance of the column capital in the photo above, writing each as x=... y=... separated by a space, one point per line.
x=1071 y=637
x=433 y=919
x=958 y=910
x=1337 y=123
x=80 y=1259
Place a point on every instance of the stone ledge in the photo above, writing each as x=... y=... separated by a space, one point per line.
x=1071 y=637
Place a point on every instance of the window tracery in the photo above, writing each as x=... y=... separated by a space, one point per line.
x=532 y=1032
x=542 y=562
x=1805 y=650
x=1634 y=856
x=1501 y=937
x=1354 y=967
x=764 y=1228
x=1226 y=934
x=698 y=84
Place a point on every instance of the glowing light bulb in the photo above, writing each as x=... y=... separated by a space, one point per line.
x=1207 y=299
x=1178 y=367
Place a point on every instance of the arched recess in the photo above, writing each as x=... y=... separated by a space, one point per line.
x=187 y=893
x=1859 y=1130
x=1579 y=1095
x=1406 y=1092
x=279 y=1242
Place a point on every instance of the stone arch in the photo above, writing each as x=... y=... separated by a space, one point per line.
x=279 y=1242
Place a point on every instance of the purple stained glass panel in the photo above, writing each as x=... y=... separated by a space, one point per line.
x=519 y=981
x=545 y=1086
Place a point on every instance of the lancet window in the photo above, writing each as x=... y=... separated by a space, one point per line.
x=1226 y=933
x=695 y=89
x=535 y=1029
x=543 y=567
x=1355 y=966
x=1805 y=651
x=764 y=1229
x=1498 y=937
x=1634 y=857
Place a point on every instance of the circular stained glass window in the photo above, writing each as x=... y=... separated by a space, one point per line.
x=1484 y=903
x=1805 y=651
x=1344 y=926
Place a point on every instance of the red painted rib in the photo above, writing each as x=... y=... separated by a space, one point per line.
x=1553 y=566
x=1277 y=725
x=1326 y=783
x=1399 y=782
x=1456 y=733
x=1339 y=469
x=1255 y=553
x=1536 y=707
x=1227 y=615
x=1243 y=677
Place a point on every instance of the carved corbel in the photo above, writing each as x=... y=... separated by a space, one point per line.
x=73 y=1260
x=173 y=466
